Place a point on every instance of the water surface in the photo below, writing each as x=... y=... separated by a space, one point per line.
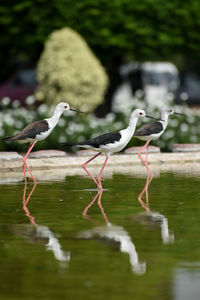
x=136 y=240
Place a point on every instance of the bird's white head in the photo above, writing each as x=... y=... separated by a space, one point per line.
x=136 y=114
x=62 y=106
x=139 y=113
x=168 y=111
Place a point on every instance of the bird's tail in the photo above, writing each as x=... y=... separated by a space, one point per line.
x=8 y=139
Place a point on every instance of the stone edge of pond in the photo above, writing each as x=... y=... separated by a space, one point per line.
x=52 y=165
x=54 y=159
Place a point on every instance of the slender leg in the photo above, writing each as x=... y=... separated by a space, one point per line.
x=87 y=162
x=31 y=192
x=99 y=176
x=25 y=164
x=27 y=153
x=139 y=154
x=145 y=189
x=24 y=194
x=147 y=154
x=149 y=179
x=101 y=207
x=148 y=169
x=146 y=162
x=141 y=150
x=25 y=202
x=84 y=213
x=24 y=174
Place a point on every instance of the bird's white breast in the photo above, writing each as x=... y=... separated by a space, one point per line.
x=117 y=146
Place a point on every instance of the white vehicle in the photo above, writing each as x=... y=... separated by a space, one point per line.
x=155 y=82
x=160 y=82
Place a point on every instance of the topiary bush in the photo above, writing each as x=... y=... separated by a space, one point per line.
x=69 y=71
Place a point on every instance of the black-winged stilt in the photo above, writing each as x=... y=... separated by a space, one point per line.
x=109 y=143
x=152 y=131
x=38 y=131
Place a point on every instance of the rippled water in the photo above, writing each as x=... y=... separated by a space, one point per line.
x=139 y=239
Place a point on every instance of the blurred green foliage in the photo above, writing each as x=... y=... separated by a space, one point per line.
x=138 y=30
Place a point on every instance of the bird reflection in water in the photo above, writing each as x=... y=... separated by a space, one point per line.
x=150 y=218
x=25 y=202
x=38 y=233
x=84 y=213
x=113 y=233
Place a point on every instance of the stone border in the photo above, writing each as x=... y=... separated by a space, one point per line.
x=54 y=159
x=56 y=165
x=186 y=148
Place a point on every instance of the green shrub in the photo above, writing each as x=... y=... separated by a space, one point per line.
x=69 y=71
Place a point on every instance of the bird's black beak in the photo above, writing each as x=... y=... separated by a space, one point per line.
x=180 y=114
x=152 y=118
x=76 y=110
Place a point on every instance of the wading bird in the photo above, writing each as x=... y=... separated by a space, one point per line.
x=109 y=143
x=38 y=131
x=152 y=131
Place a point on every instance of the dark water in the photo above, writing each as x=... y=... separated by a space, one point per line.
x=57 y=246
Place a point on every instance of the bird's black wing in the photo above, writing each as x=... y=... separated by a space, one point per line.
x=98 y=141
x=149 y=128
x=30 y=131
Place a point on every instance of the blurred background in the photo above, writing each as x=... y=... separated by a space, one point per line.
x=104 y=57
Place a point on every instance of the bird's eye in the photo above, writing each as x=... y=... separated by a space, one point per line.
x=140 y=113
x=65 y=106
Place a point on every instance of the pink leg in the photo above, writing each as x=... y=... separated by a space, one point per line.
x=146 y=162
x=141 y=150
x=147 y=154
x=31 y=192
x=145 y=189
x=25 y=202
x=148 y=170
x=87 y=162
x=24 y=173
x=84 y=213
x=149 y=178
x=25 y=164
x=99 y=176
x=27 y=153
x=24 y=194
x=101 y=207
x=139 y=154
